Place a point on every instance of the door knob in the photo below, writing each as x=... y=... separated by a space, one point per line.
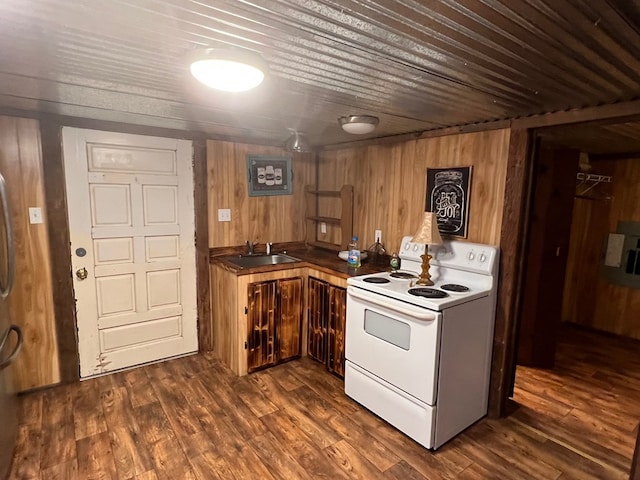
x=82 y=273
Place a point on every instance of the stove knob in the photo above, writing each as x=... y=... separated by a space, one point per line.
x=471 y=256
x=407 y=246
x=416 y=247
x=482 y=258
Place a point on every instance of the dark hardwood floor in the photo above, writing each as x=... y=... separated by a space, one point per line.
x=191 y=418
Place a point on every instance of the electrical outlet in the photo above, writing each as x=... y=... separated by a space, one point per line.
x=224 y=215
x=378 y=236
x=323 y=227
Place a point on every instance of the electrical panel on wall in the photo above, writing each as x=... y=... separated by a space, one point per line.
x=622 y=257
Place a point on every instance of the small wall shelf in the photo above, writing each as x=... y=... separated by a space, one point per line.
x=344 y=222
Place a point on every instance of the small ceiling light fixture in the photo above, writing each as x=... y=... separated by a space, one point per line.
x=297 y=142
x=228 y=70
x=359 y=124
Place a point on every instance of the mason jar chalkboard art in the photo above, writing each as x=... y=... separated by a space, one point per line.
x=448 y=197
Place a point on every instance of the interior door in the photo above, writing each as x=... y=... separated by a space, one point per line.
x=131 y=221
x=545 y=265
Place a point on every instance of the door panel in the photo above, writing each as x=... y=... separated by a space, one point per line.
x=289 y=325
x=337 y=327
x=130 y=201
x=261 y=325
x=547 y=250
x=318 y=294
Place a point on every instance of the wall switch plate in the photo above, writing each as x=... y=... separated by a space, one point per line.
x=35 y=215
x=613 y=255
x=224 y=215
x=323 y=227
x=378 y=236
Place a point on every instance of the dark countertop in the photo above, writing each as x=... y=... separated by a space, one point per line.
x=312 y=257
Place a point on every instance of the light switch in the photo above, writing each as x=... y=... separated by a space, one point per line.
x=613 y=257
x=35 y=215
x=323 y=227
x=224 y=215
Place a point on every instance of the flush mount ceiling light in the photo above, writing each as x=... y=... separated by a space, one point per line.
x=228 y=70
x=359 y=124
x=297 y=142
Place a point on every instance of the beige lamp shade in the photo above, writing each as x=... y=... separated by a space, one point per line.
x=428 y=230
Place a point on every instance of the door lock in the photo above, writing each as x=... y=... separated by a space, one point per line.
x=82 y=273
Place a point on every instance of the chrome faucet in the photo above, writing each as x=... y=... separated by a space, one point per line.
x=269 y=248
x=249 y=247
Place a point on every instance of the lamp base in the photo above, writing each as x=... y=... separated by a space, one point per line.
x=425 y=277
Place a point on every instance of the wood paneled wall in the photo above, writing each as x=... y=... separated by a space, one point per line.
x=590 y=300
x=278 y=218
x=390 y=183
x=31 y=302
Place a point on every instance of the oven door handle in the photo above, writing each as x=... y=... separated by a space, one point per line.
x=389 y=304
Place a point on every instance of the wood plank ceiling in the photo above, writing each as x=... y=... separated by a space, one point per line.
x=418 y=65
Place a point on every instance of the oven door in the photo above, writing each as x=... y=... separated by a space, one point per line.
x=395 y=341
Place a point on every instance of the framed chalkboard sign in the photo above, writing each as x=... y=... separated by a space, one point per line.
x=269 y=175
x=448 y=196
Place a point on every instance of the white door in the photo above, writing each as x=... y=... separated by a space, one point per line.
x=131 y=221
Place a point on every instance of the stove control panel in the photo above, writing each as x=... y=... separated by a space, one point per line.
x=472 y=257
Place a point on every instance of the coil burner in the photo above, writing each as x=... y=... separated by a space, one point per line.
x=428 y=292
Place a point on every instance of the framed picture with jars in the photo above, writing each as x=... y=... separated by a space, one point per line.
x=448 y=196
x=269 y=175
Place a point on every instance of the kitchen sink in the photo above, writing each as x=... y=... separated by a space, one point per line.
x=251 y=261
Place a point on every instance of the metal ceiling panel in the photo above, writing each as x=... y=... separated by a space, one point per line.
x=418 y=65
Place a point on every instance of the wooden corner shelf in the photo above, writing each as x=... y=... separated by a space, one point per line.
x=344 y=221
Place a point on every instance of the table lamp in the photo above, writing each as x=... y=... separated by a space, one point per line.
x=428 y=234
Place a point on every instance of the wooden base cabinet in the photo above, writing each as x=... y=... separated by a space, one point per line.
x=327 y=311
x=274 y=322
x=256 y=319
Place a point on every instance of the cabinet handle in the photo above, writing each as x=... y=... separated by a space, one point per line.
x=246 y=310
x=5 y=363
x=246 y=345
x=11 y=256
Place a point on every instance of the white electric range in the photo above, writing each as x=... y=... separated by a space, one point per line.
x=420 y=357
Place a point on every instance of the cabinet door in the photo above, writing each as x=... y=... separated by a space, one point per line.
x=336 y=329
x=261 y=325
x=289 y=318
x=318 y=298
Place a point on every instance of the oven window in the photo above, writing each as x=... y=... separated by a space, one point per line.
x=388 y=329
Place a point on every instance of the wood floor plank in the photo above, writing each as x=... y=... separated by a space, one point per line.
x=301 y=447
x=88 y=416
x=150 y=475
x=62 y=471
x=27 y=465
x=210 y=466
x=277 y=459
x=376 y=452
x=117 y=407
x=169 y=461
x=95 y=457
x=31 y=408
x=58 y=434
x=448 y=461
x=351 y=462
x=403 y=471
x=139 y=387
x=153 y=423
x=513 y=448
x=177 y=408
x=241 y=416
x=253 y=398
x=130 y=452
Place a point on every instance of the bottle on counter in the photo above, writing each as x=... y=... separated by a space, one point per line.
x=353 y=258
x=395 y=261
